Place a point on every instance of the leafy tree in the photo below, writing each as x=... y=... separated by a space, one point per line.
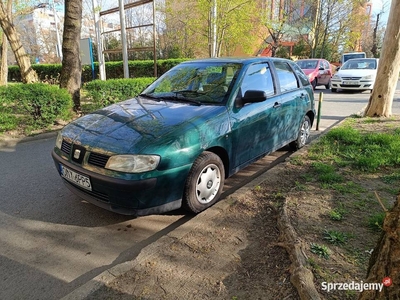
x=190 y=25
x=28 y=75
x=71 y=71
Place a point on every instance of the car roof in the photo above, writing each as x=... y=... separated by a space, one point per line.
x=241 y=60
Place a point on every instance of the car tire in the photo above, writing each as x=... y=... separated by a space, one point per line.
x=328 y=85
x=204 y=183
x=314 y=83
x=303 y=135
x=334 y=90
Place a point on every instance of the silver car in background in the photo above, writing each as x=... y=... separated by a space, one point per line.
x=357 y=74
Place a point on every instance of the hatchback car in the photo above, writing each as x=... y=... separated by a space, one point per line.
x=319 y=71
x=174 y=144
x=356 y=74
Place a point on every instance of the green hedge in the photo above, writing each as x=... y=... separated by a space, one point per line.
x=32 y=105
x=114 y=70
x=102 y=93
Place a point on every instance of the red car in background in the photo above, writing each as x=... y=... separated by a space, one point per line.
x=319 y=71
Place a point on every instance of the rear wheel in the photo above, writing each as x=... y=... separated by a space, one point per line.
x=328 y=85
x=303 y=135
x=204 y=183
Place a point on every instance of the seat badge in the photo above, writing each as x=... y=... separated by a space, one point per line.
x=77 y=153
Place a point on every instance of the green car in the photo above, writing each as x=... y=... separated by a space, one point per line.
x=176 y=143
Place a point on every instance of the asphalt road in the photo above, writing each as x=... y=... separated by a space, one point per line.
x=51 y=242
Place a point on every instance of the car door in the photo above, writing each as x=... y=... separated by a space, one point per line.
x=324 y=73
x=293 y=99
x=255 y=126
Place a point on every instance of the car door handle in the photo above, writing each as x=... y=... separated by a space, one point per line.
x=277 y=104
x=302 y=96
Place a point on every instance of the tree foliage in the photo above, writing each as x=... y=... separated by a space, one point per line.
x=190 y=25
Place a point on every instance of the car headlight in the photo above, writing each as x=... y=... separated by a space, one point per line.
x=59 y=140
x=133 y=163
x=368 y=77
x=336 y=77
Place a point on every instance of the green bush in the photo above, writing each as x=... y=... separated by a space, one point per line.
x=50 y=73
x=102 y=93
x=39 y=104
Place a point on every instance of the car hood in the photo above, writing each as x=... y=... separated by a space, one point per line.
x=132 y=125
x=355 y=73
x=308 y=71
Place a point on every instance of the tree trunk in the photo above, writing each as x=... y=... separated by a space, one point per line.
x=70 y=77
x=28 y=75
x=384 y=262
x=4 y=52
x=381 y=100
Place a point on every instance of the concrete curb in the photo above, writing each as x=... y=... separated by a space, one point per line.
x=7 y=141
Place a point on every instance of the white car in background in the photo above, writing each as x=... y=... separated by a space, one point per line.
x=356 y=74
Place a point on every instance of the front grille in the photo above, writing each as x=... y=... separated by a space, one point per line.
x=97 y=159
x=351 y=78
x=66 y=147
x=99 y=196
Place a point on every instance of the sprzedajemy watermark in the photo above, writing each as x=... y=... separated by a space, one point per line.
x=356 y=286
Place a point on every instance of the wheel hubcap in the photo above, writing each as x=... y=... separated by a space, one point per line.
x=305 y=132
x=208 y=184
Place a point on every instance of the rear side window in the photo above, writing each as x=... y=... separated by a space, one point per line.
x=258 y=77
x=287 y=79
x=303 y=78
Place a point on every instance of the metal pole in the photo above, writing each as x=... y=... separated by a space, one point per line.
x=59 y=49
x=99 y=39
x=321 y=96
x=214 y=29
x=123 y=38
x=154 y=39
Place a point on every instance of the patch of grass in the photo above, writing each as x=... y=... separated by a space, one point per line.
x=320 y=250
x=300 y=187
x=362 y=151
x=337 y=214
x=348 y=187
x=326 y=173
x=297 y=160
x=391 y=178
x=375 y=221
x=335 y=237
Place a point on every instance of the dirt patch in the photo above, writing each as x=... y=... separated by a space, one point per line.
x=245 y=252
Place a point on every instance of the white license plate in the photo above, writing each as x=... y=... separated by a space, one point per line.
x=76 y=178
x=348 y=82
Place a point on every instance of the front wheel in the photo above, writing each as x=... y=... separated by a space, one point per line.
x=314 y=83
x=334 y=90
x=303 y=135
x=204 y=183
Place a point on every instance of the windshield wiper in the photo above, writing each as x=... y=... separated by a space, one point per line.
x=150 y=97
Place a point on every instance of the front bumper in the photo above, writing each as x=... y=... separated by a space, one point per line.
x=128 y=197
x=359 y=85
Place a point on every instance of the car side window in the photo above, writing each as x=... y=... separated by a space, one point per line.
x=287 y=79
x=303 y=78
x=258 y=77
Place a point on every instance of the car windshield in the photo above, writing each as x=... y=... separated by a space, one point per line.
x=355 y=64
x=195 y=82
x=307 y=64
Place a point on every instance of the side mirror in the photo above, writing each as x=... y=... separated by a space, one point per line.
x=252 y=96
